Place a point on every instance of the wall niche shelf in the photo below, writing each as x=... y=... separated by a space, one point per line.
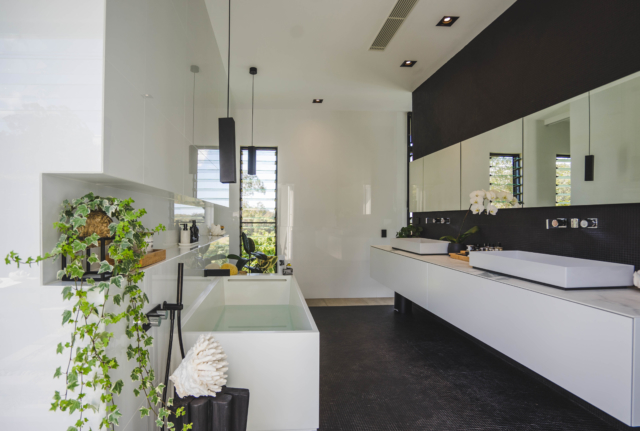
x=56 y=187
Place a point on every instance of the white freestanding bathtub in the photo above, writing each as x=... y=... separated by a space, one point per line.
x=272 y=345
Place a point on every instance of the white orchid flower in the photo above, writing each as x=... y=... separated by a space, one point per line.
x=516 y=204
x=502 y=195
x=477 y=194
x=477 y=200
x=477 y=208
x=492 y=209
x=508 y=197
x=491 y=195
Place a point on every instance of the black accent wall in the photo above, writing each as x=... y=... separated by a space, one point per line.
x=617 y=238
x=536 y=54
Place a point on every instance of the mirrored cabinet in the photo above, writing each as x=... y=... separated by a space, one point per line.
x=442 y=180
x=583 y=151
x=493 y=161
x=416 y=185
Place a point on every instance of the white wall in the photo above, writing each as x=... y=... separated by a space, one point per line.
x=149 y=49
x=51 y=78
x=53 y=75
x=326 y=162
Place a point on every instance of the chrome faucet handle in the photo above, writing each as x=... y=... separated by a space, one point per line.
x=558 y=223
x=589 y=223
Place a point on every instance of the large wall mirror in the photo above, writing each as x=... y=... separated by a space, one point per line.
x=493 y=161
x=555 y=138
x=434 y=181
x=543 y=159
x=604 y=124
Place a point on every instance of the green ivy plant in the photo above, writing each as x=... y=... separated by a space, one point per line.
x=99 y=304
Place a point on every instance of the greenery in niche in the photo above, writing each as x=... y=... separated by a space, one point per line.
x=409 y=232
x=96 y=306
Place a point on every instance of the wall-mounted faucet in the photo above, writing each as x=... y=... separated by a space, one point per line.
x=561 y=223
x=438 y=220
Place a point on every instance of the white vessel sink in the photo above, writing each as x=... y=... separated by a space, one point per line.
x=420 y=245
x=564 y=272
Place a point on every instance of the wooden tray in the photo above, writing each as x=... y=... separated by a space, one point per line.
x=459 y=257
x=149 y=259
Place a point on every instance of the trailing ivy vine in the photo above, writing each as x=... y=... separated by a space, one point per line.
x=98 y=304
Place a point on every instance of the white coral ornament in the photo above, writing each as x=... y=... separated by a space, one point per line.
x=202 y=371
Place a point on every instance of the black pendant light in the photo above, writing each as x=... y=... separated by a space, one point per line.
x=252 y=150
x=227 y=130
x=590 y=160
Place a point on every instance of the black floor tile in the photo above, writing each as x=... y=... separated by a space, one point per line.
x=380 y=371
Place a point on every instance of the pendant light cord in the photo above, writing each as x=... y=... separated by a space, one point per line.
x=229 y=60
x=253 y=82
x=193 y=110
x=589 y=97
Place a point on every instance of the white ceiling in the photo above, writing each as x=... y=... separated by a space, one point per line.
x=307 y=49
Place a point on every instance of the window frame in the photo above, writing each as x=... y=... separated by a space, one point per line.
x=275 y=217
x=558 y=157
x=517 y=177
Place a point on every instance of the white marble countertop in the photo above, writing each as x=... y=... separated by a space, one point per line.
x=625 y=301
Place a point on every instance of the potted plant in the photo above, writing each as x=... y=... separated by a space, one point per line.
x=99 y=304
x=481 y=201
x=409 y=232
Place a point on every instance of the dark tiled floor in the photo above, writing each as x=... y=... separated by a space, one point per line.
x=380 y=371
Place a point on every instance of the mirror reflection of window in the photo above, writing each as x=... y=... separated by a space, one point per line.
x=505 y=175
x=563 y=180
x=207 y=179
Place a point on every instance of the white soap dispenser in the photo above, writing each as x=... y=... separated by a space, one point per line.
x=185 y=235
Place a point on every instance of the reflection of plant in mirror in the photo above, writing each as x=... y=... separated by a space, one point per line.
x=409 y=232
x=97 y=306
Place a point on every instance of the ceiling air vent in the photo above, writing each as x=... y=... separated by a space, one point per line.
x=396 y=18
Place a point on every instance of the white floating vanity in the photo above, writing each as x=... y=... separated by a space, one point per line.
x=585 y=341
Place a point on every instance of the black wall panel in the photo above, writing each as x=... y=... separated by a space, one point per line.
x=615 y=240
x=536 y=54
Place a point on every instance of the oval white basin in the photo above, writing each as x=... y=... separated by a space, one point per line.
x=420 y=245
x=561 y=271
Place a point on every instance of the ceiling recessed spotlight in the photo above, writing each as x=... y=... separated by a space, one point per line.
x=408 y=63
x=447 y=21
x=317 y=100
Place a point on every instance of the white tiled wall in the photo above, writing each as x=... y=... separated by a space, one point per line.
x=342 y=178
x=54 y=118
x=51 y=82
x=150 y=47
